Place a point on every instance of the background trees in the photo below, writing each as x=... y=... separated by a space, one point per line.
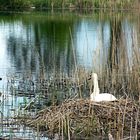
x=77 y=4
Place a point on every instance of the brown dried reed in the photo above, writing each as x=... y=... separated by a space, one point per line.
x=79 y=117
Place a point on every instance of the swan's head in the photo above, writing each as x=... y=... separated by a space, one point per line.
x=94 y=76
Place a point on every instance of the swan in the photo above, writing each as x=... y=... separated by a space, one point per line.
x=96 y=96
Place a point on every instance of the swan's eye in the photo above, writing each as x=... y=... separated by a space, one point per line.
x=89 y=77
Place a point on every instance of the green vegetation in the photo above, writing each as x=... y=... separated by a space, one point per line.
x=68 y=4
x=14 y=4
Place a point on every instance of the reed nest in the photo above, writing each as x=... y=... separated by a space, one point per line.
x=81 y=117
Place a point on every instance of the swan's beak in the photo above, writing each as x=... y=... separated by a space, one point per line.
x=89 y=78
x=0 y=78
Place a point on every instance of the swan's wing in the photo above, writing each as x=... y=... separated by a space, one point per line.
x=104 y=97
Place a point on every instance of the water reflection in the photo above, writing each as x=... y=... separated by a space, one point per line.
x=45 y=42
x=92 y=42
x=4 y=62
x=32 y=45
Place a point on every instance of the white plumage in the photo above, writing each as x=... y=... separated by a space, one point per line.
x=96 y=96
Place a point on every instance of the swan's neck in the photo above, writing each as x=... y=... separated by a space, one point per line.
x=96 y=87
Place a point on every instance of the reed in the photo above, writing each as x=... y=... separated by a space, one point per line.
x=77 y=121
x=74 y=117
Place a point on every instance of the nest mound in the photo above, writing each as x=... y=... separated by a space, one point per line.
x=81 y=117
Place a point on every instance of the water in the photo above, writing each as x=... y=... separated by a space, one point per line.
x=35 y=40
x=40 y=45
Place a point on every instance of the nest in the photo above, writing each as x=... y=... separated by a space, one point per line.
x=79 y=117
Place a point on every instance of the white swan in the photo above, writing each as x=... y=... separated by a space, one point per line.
x=96 y=96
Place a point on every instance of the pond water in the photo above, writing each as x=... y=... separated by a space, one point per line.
x=40 y=44
x=60 y=41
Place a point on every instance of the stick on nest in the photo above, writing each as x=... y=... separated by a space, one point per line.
x=81 y=117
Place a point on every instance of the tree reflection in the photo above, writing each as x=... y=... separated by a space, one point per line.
x=43 y=45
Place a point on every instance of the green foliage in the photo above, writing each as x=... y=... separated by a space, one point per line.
x=14 y=4
x=78 y=4
x=96 y=3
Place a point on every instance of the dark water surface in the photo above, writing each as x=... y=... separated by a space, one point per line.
x=45 y=43
x=31 y=41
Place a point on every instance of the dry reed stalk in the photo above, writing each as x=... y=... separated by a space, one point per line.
x=68 y=128
x=73 y=50
x=62 y=130
x=136 y=124
x=124 y=113
x=37 y=131
x=76 y=119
